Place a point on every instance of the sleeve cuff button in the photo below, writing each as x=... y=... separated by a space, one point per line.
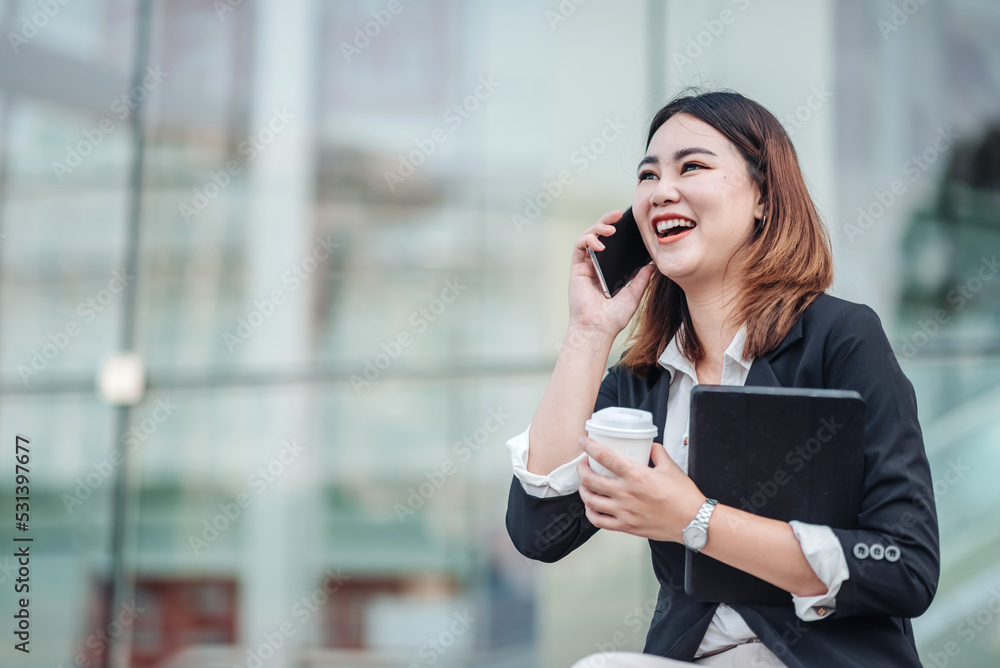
x=861 y=551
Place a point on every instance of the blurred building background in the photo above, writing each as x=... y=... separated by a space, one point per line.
x=350 y=223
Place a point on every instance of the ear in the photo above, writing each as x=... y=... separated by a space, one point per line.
x=758 y=209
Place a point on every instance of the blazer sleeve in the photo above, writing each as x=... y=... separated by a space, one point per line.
x=547 y=529
x=897 y=504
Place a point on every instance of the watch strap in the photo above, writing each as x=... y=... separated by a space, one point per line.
x=705 y=512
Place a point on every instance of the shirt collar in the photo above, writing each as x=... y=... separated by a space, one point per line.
x=673 y=360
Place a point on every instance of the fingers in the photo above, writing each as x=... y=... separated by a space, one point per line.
x=596 y=503
x=659 y=455
x=638 y=285
x=606 y=457
x=594 y=482
x=606 y=224
x=594 y=241
x=604 y=228
x=610 y=217
x=589 y=240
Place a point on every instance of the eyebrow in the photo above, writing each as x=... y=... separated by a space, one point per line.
x=680 y=153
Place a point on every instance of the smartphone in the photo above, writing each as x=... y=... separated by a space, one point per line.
x=623 y=256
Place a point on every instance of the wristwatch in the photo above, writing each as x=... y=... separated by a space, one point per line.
x=696 y=533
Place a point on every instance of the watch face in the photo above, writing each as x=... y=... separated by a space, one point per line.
x=695 y=537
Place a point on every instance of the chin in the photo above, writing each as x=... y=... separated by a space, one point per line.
x=673 y=269
x=673 y=273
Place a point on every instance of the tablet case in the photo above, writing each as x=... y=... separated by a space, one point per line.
x=783 y=453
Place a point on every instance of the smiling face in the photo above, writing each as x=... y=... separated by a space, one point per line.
x=694 y=201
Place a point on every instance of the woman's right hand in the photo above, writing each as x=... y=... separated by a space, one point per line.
x=589 y=309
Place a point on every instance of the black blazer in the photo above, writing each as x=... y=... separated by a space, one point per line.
x=833 y=344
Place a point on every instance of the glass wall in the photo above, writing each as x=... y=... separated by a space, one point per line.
x=353 y=224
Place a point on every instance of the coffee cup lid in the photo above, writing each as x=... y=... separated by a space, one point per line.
x=622 y=422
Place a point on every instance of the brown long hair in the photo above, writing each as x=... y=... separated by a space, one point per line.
x=784 y=264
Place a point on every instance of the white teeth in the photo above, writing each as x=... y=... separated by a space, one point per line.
x=664 y=225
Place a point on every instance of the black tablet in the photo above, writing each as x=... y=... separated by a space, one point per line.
x=783 y=453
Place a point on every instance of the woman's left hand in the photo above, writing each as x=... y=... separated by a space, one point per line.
x=655 y=503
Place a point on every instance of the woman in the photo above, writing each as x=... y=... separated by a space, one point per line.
x=735 y=295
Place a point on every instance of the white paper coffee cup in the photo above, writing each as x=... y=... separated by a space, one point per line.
x=627 y=431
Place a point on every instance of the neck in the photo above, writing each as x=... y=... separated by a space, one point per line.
x=710 y=307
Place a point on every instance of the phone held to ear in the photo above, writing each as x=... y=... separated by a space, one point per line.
x=623 y=256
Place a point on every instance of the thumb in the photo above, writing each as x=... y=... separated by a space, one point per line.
x=638 y=284
x=659 y=456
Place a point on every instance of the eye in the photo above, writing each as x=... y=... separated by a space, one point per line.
x=643 y=175
x=691 y=164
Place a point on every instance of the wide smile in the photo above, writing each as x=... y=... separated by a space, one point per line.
x=671 y=229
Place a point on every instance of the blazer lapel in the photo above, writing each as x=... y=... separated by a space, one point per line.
x=761 y=371
x=656 y=403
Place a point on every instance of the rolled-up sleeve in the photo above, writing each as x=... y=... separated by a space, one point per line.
x=826 y=557
x=560 y=482
x=549 y=526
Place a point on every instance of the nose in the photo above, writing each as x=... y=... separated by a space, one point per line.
x=665 y=192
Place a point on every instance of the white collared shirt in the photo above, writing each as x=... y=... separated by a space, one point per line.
x=819 y=544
